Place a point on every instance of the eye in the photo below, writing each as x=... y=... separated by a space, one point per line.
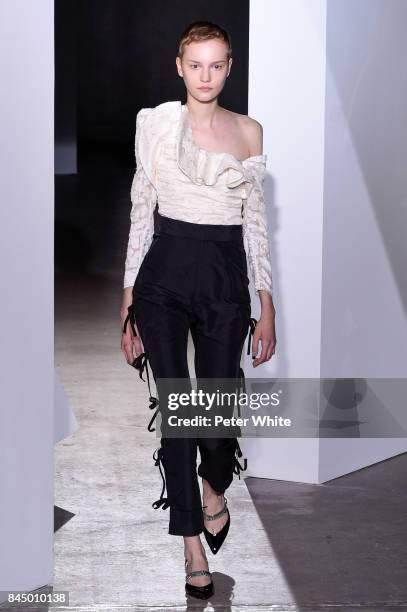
x=218 y=66
x=193 y=65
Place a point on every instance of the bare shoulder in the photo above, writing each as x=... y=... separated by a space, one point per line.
x=251 y=130
x=254 y=134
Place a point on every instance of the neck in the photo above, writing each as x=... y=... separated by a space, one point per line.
x=202 y=113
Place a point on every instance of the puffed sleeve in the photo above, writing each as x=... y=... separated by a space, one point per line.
x=143 y=197
x=255 y=228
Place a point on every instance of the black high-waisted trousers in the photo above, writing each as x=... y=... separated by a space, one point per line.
x=193 y=277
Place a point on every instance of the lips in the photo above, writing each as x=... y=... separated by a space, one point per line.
x=205 y=88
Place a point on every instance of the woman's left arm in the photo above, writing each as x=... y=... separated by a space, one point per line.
x=255 y=231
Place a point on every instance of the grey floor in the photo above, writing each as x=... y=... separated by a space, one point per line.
x=337 y=546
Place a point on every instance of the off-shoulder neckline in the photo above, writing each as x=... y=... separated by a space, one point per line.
x=259 y=158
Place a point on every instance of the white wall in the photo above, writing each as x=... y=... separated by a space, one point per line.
x=26 y=305
x=287 y=95
x=364 y=297
x=365 y=191
x=328 y=83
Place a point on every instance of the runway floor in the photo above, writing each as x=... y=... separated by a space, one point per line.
x=292 y=546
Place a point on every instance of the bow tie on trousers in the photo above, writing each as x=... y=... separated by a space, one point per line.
x=192 y=278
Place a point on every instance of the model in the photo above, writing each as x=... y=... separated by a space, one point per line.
x=198 y=222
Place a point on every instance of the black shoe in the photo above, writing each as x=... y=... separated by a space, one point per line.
x=215 y=541
x=201 y=592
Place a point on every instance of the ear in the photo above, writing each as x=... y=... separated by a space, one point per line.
x=178 y=64
x=230 y=66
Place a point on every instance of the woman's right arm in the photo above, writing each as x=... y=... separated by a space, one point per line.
x=143 y=198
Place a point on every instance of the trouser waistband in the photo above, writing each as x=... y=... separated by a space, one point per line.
x=200 y=231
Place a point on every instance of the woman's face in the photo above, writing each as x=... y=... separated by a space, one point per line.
x=204 y=68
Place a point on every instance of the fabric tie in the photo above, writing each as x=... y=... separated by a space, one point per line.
x=253 y=323
x=161 y=501
x=238 y=467
x=139 y=364
x=242 y=389
x=130 y=317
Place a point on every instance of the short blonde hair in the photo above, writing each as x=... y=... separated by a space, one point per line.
x=204 y=30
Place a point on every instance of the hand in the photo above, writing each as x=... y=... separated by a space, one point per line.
x=131 y=345
x=265 y=332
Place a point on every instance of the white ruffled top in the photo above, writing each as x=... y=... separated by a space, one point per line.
x=195 y=185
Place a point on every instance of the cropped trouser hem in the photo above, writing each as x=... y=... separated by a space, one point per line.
x=185 y=522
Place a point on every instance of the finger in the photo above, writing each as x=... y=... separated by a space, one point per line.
x=255 y=345
x=273 y=346
x=123 y=346
x=138 y=347
x=270 y=351
x=267 y=350
x=262 y=358
x=128 y=351
x=263 y=354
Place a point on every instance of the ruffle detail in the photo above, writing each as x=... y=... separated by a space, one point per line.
x=153 y=125
x=202 y=166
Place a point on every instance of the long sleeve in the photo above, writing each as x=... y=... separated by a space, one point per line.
x=143 y=196
x=255 y=229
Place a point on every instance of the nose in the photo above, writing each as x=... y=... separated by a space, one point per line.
x=205 y=75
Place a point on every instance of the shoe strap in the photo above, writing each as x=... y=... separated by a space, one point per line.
x=198 y=573
x=212 y=517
